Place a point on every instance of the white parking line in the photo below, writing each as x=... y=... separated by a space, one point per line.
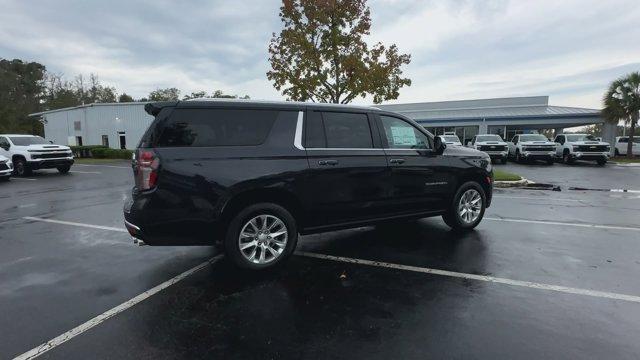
x=485 y=278
x=58 y=340
x=33 y=218
x=22 y=178
x=110 y=166
x=592 y=226
x=535 y=198
x=85 y=172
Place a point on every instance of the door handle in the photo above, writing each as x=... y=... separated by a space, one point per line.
x=396 y=161
x=328 y=162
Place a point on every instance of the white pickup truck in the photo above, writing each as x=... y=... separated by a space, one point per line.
x=28 y=152
x=525 y=147
x=491 y=144
x=572 y=147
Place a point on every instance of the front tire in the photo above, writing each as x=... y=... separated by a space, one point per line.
x=64 y=169
x=261 y=236
x=550 y=161
x=467 y=208
x=567 y=158
x=601 y=162
x=21 y=168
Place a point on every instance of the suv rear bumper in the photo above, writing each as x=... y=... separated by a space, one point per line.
x=150 y=219
x=49 y=163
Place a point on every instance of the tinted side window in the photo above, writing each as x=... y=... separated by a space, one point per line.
x=217 y=127
x=402 y=135
x=314 y=130
x=347 y=130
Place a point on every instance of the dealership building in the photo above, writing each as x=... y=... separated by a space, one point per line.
x=121 y=125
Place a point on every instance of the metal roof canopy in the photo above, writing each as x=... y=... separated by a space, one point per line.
x=517 y=111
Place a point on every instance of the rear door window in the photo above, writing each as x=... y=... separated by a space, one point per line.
x=347 y=130
x=216 y=127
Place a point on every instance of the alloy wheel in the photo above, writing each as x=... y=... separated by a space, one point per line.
x=470 y=206
x=263 y=239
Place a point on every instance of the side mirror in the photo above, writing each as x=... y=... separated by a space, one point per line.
x=50 y=142
x=439 y=145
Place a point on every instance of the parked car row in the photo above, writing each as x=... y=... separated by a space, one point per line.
x=530 y=147
x=21 y=154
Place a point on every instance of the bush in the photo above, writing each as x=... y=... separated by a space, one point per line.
x=106 y=153
x=85 y=151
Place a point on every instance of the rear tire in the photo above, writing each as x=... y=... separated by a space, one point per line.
x=64 y=169
x=550 y=161
x=21 y=168
x=601 y=162
x=467 y=208
x=269 y=236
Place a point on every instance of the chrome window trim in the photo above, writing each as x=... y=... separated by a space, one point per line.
x=297 y=141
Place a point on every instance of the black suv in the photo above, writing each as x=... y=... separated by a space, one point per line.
x=253 y=175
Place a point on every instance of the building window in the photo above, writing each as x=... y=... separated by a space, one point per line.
x=105 y=140
x=77 y=126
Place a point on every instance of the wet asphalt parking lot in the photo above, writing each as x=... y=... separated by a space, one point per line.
x=547 y=274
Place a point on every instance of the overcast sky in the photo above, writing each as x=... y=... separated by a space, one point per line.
x=460 y=49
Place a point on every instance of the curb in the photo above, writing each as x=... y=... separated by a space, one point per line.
x=513 y=183
x=626 y=164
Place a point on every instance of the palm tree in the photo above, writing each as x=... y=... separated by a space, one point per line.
x=622 y=103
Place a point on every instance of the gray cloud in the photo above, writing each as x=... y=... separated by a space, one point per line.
x=569 y=49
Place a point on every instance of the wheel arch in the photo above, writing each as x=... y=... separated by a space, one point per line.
x=280 y=197
x=17 y=156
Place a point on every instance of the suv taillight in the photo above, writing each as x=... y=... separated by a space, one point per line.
x=145 y=169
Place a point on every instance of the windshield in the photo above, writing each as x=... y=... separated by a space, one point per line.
x=581 y=137
x=27 y=140
x=451 y=138
x=533 y=137
x=488 y=138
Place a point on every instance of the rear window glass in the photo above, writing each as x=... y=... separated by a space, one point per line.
x=347 y=130
x=216 y=127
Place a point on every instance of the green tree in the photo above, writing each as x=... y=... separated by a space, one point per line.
x=622 y=103
x=215 y=94
x=21 y=91
x=321 y=54
x=168 y=94
x=124 y=97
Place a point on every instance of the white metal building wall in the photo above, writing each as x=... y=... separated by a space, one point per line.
x=97 y=120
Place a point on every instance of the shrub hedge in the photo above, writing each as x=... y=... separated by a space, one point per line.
x=106 y=153
x=85 y=151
